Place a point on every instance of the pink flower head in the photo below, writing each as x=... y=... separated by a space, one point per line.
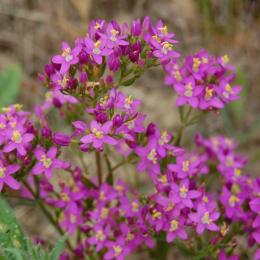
x=99 y=134
x=47 y=162
x=204 y=218
x=5 y=175
x=97 y=49
x=67 y=58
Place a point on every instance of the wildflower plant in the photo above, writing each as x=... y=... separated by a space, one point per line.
x=106 y=218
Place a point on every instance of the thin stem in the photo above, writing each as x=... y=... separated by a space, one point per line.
x=99 y=168
x=47 y=213
x=184 y=120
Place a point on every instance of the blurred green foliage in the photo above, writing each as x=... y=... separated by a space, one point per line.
x=13 y=243
x=10 y=80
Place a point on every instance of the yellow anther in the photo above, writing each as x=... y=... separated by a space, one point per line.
x=164 y=30
x=209 y=93
x=166 y=47
x=128 y=101
x=2 y=172
x=174 y=225
x=135 y=206
x=183 y=191
x=196 y=64
x=152 y=156
x=225 y=59
x=64 y=196
x=47 y=162
x=118 y=250
x=232 y=200
x=186 y=166
x=164 y=138
x=73 y=218
x=2 y=126
x=189 y=90
x=100 y=236
x=104 y=213
x=156 y=214
x=98 y=134
x=17 y=138
x=206 y=219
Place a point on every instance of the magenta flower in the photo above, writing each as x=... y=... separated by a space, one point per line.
x=149 y=159
x=175 y=228
x=67 y=58
x=185 y=166
x=182 y=194
x=71 y=218
x=6 y=178
x=18 y=140
x=188 y=92
x=97 y=49
x=99 y=134
x=114 y=38
x=47 y=162
x=204 y=218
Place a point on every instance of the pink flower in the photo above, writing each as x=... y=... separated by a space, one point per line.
x=99 y=134
x=5 y=176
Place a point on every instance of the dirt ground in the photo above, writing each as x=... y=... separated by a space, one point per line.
x=32 y=30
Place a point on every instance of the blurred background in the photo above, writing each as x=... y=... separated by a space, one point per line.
x=32 y=30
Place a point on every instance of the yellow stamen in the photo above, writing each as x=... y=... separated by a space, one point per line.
x=100 y=236
x=186 y=166
x=17 y=138
x=152 y=156
x=174 y=225
x=2 y=172
x=209 y=93
x=196 y=64
x=104 y=213
x=47 y=162
x=118 y=250
x=189 y=90
x=206 y=219
x=98 y=134
x=183 y=192
x=232 y=200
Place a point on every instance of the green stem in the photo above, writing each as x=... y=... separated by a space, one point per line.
x=47 y=213
x=99 y=168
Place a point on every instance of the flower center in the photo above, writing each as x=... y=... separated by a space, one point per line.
x=232 y=200
x=100 y=236
x=196 y=64
x=2 y=126
x=114 y=34
x=183 y=192
x=152 y=156
x=188 y=90
x=68 y=57
x=209 y=93
x=2 y=172
x=135 y=206
x=64 y=196
x=17 y=138
x=206 y=219
x=164 y=30
x=104 y=213
x=66 y=52
x=164 y=138
x=128 y=102
x=185 y=166
x=166 y=47
x=156 y=214
x=98 y=134
x=96 y=49
x=174 y=225
x=225 y=59
x=47 y=162
x=73 y=218
x=118 y=250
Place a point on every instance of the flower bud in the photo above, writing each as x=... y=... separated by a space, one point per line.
x=61 y=139
x=101 y=117
x=46 y=132
x=150 y=129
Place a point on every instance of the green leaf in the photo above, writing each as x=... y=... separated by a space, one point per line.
x=9 y=85
x=58 y=248
x=11 y=234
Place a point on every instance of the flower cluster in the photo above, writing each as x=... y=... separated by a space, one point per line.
x=203 y=81
x=199 y=193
